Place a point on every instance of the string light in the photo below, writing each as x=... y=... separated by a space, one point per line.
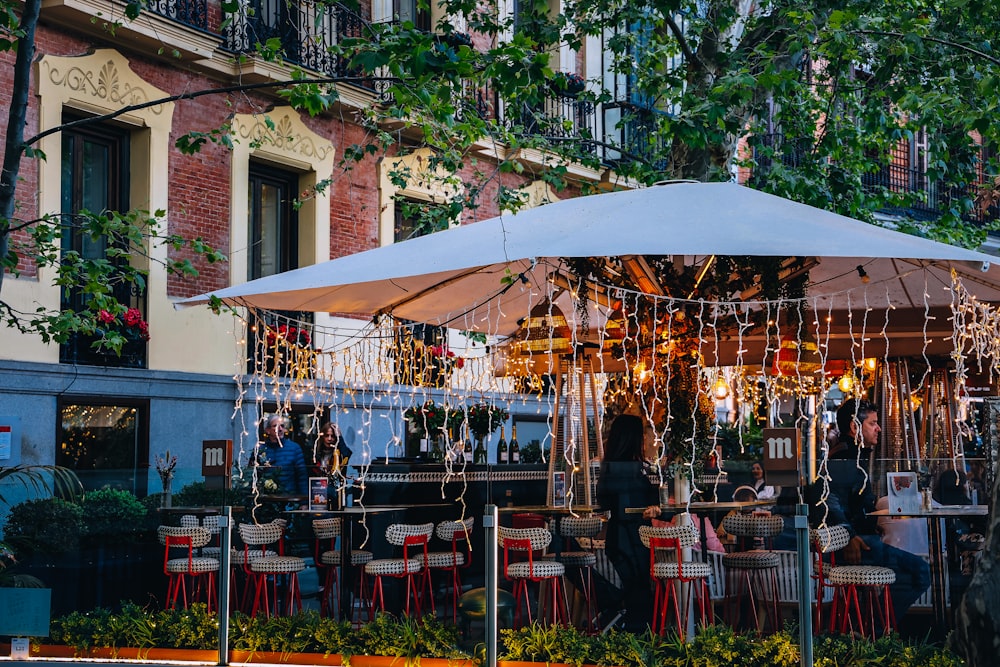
x=863 y=275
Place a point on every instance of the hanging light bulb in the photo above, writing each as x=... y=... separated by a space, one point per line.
x=720 y=389
x=846 y=383
x=870 y=364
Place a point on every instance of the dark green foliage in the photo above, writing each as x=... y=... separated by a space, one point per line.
x=44 y=526
x=111 y=512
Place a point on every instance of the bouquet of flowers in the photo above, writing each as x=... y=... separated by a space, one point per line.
x=165 y=466
x=430 y=418
x=485 y=418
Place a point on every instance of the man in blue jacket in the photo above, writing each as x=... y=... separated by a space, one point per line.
x=285 y=456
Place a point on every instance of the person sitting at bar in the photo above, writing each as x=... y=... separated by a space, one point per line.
x=848 y=480
x=623 y=483
x=332 y=452
x=285 y=456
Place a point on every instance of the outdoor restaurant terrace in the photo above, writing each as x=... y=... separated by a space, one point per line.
x=670 y=305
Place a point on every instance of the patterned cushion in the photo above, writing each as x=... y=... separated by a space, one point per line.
x=539 y=538
x=198 y=536
x=686 y=534
x=692 y=570
x=748 y=525
x=277 y=564
x=577 y=558
x=447 y=530
x=445 y=559
x=751 y=560
x=358 y=557
x=198 y=564
x=830 y=538
x=861 y=575
x=398 y=532
x=394 y=567
x=257 y=534
x=212 y=552
x=326 y=529
x=540 y=569
x=580 y=526
x=240 y=557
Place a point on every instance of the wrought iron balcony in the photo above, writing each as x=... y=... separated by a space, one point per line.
x=631 y=135
x=924 y=198
x=305 y=30
x=192 y=13
x=556 y=117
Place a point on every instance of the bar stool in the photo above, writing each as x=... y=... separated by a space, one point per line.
x=263 y=567
x=753 y=572
x=457 y=534
x=413 y=539
x=180 y=570
x=518 y=541
x=328 y=560
x=854 y=587
x=583 y=560
x=669 y=571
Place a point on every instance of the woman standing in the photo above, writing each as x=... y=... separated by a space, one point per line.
x=623 y=483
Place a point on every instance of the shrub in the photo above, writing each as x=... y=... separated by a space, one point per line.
x=44 y=526
x=112 y=513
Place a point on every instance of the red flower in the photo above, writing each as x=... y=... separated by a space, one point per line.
x=132 y=317
x=104 y=317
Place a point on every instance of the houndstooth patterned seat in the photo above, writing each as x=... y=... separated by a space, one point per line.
x=189 y=568
x=582 y=530
x=861 y=575
x=413 y=539
x=520 y=566
x=328 y=559
x=457 y=535
x=667 y=567
x=752 y=574
x=263 y=568
x=853 y=585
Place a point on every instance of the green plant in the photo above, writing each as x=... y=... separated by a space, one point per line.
x=44 y=526
x=112 y=512
x=552 y=643
x=40 y=480
x=9 y=577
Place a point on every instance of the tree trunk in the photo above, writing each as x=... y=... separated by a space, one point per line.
x=16 y=117
x=977 y=618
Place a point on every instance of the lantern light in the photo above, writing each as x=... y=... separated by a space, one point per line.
x=846 y=383
x=720 y=389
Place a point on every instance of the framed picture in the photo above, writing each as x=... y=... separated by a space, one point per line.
x=318 y=488
x=558 y=489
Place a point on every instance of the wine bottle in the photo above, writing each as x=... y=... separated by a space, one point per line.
x=467 y=450
x=479 y=454
x=502 y=449
x=515 y=449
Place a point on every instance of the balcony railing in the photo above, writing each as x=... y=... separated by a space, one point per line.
x=924 y=198
x=192 y=13
x=306 y=31
x=631 y=135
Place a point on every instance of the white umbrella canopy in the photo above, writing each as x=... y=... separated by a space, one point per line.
x=486 y=276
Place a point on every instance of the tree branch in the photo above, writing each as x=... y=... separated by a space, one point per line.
x=690 y=55
x=195 y=94
x=936 y=40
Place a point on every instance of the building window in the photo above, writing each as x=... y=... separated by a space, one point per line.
x=105 y=442
x=274 y=223
x=95 y=169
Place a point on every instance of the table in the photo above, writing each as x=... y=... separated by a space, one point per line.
x=350 y=516
x=935 y=548
x=704 y=508
x=179 y=511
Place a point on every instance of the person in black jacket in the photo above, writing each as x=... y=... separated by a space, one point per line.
x=623 y=483
x=848 y=480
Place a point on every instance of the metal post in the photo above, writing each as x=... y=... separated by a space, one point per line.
x=225 y=540
x=805 y=587
x=492 y=583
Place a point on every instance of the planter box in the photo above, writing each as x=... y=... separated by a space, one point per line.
x=237 y=657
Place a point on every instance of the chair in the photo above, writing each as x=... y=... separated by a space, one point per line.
x=582 y=560
x=856 y=588
x=267 y=565
x=457 y=534
x=328 y=560
x=516 y=542
x=413 y=539
x=181 y=570
x=676 y=581
x=752 y=574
